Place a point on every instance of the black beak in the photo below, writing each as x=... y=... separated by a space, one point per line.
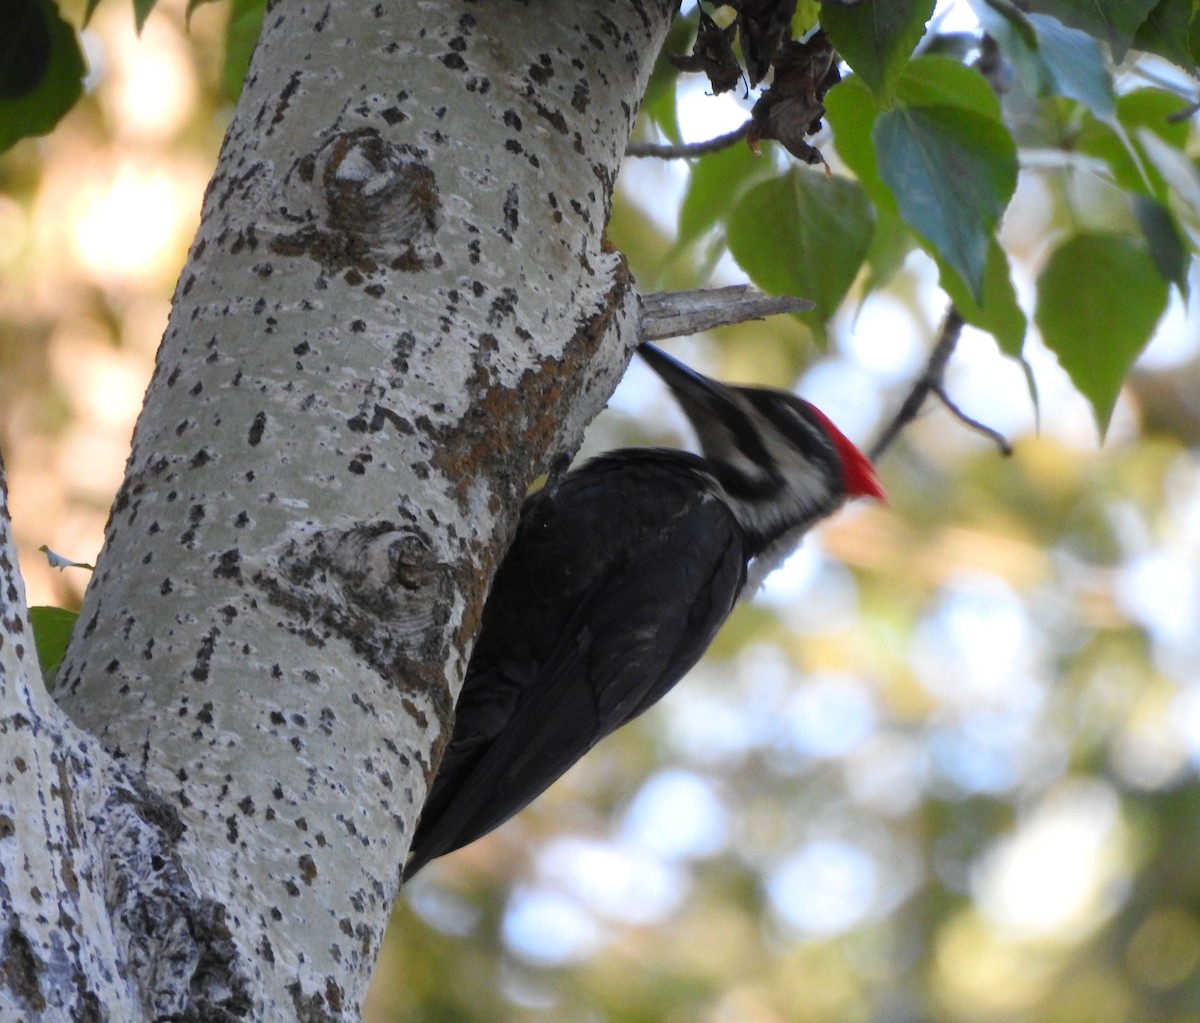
x=699 y=395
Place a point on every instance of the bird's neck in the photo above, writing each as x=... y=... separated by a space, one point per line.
x=774 y=516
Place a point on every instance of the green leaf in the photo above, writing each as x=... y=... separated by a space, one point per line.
x=851 y=111
x=999 y=17
x=998 y=313
x=1178 y=172
x=927 y=82
x=659 y=105
x=715 y=184
x=952 y=172
x=141 y=11
x=1150 y=109
x=941 y=81
x=1114 y=21
x=37 y=97
x=659 y=102
x=1157 y=110
x=51 y=631
x=241 y=36
x=1165 y=241
x=24 y=47
x=807 y=14
x=1166 y=32
x=803 y=234
x=1074 y=66
x=1051 y=58
x=876 y=38
x=891 y=243
x=1099 y=298
x=971 y=115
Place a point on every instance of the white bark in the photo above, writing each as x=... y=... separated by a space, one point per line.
x=398 y=310
x=56 y=941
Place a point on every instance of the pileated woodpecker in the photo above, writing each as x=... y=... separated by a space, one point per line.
x=618 y=579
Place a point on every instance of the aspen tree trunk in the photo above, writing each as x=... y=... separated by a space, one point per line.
x=398 y=309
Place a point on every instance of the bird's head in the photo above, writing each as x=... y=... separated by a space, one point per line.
x=780 y=461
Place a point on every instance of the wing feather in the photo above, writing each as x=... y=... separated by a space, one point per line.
x=592 y=618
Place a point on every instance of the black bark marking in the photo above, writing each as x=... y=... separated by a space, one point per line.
x=257 y=427
x=512 y=202
x=204 y=654
x=380 y=415
x=229 y=565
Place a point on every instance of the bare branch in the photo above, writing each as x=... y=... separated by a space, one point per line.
x=676 y=313
x=686 y=149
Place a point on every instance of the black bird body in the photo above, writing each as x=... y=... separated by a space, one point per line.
x=618 y=578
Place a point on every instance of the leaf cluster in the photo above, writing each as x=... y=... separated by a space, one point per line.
x=933 y=133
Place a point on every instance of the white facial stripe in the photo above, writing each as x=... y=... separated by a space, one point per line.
x=791 y=489
x=720 y=443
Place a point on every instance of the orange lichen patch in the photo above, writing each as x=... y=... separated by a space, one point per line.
x=480 y=447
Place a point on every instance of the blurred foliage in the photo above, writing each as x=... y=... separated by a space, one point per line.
x=944 y=768
x=41 y=69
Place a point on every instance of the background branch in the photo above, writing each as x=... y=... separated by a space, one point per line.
x=685 y=149
x=932 y=381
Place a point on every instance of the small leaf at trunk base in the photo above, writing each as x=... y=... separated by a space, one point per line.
x=51 y=631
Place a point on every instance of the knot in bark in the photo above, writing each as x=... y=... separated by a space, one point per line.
x=378 y=586
x=379 y=189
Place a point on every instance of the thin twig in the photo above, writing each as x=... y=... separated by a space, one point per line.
x=932 y=381
x=935 y=370
x=686 y=149
x=993 y=435
x=1184 y=114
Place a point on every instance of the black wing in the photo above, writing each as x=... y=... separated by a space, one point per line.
x=614 y=587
